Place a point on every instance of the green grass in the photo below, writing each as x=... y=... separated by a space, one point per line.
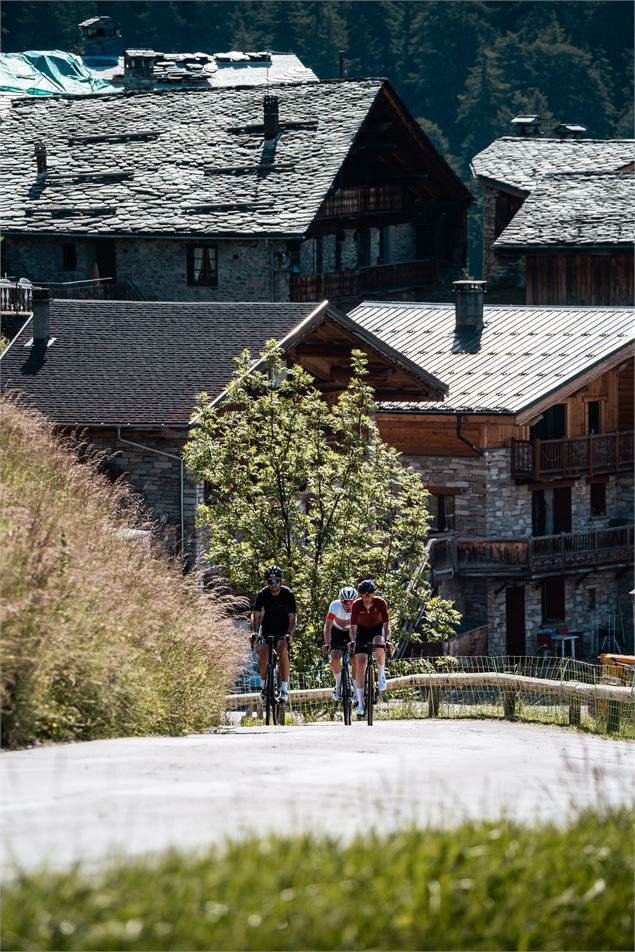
x=494 y=886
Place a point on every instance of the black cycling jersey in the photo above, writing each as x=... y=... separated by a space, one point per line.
x=276 y=608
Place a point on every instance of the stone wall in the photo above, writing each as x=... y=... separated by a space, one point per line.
x=468 y=475
x=155 y=477
x=498 y=270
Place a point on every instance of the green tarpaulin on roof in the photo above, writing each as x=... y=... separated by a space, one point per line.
x=48 y=73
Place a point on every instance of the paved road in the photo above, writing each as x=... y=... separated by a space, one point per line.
x=85 y=801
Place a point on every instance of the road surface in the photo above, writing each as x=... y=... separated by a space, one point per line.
x=86 y=802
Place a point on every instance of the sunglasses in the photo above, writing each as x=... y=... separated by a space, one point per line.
x=274 y=581
x=347 y=601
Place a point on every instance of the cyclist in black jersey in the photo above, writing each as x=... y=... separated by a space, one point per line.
x=274 y=613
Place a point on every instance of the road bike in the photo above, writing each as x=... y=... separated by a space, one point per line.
x=347 y=688
x=274 y=707
x=370 y=682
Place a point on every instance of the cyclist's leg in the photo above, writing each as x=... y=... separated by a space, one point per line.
x=283 y=658
x=360 y=675
x=336 y=668
x=380 y=654
x=262 y=651
x=282 y=648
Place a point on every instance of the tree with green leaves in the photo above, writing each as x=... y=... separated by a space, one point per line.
x=311 y=486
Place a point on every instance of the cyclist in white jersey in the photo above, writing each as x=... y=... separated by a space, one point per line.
x=337 y=636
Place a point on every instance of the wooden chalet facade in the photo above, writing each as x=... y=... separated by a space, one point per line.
x=305 y=192
x=529 y=462
x=558 y=220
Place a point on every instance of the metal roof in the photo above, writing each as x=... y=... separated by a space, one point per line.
x=522 y=355
x=522 y=162
x=575 y=211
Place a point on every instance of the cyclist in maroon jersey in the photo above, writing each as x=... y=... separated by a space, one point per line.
x=370 y=624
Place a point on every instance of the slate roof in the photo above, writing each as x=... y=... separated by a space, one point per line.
x=143 y=363
x=522 y=355
x=520 y=163
x=574 y=211
x=178 y=163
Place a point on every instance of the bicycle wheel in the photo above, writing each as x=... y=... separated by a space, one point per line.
x=369 y=692
x=347 y=696
x=271 y=704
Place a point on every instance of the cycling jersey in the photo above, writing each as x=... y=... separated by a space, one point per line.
x=375 y=614
x=340 y=616
x=277 y=609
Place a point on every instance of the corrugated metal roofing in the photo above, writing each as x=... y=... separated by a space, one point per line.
x=522 y=162
x=575 y=210
x=520 y=357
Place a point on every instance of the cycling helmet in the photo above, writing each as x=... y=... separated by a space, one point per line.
x=348 y=593
x=367 y=587
x=274 y=571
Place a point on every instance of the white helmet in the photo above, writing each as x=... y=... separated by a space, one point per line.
x=348 y=593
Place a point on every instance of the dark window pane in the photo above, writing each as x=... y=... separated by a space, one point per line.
x=598 y=499
x=202 y=266
x=593 y=413
x=69 y=256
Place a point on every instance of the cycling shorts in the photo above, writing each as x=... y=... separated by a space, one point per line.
x=365 y=637
x=339 y=638
x=262 y=639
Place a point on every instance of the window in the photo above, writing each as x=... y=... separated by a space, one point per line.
x=384 y=245
x=69 y=256
x=202 y=268
x=363 y=247
x=441 y=512
x=553 y=600
x=598 y=499
x=592 y=593
x=552 y=425
x=594 y=424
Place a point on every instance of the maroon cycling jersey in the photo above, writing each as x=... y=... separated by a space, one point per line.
x=375 y=614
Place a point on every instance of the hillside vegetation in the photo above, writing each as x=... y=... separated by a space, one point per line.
x=100 y=636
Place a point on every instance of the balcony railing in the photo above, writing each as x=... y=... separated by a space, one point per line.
x=584 y=455
x=94 y=289
x=16 y=297
x=534 y=555
x=384 y=277
x=359 y=201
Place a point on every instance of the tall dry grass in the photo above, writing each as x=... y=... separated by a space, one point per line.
x=100 y=637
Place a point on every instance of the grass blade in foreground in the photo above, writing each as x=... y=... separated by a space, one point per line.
x=494 y=886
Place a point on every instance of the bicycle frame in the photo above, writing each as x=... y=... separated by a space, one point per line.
x=274 y=709
x=346 y=690
x=369 y=679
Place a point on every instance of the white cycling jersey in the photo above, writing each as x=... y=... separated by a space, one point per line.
x=340 y=617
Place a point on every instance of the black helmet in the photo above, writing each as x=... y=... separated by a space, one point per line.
x=367 y=587
x=274 y=571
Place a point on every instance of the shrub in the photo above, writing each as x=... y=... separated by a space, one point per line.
x=100 y=637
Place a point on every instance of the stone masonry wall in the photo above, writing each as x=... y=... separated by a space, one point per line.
x=498 y=270
x=156 y=478
x=247 y=270
x=465 y=474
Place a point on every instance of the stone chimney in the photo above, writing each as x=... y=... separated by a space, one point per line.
x=138 y=68
x=40 y=322
x=526 y=125
x=40 y=159
x=570 y=130
x=470 y=296
x=272 y=124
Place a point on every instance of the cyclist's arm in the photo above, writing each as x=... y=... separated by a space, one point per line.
x=293 y=621
x=353 y=634
x=256 y=618
x=328 y=624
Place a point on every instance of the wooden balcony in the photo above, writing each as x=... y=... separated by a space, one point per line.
x=356 y=283
x=536 y=555
x=352 y=202
x=16 y=297
x=578 y=456
x=94 y=289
